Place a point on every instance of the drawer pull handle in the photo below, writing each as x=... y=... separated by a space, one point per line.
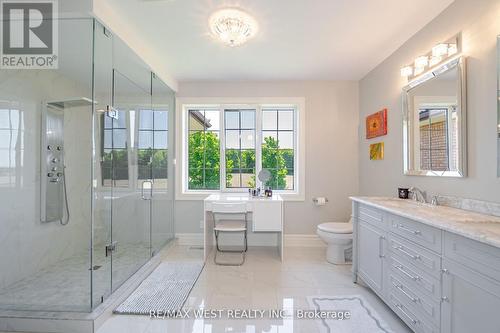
x=401 y=288
x=400 y=248
x=402 y=270
x=415 y=232
x=400 y=307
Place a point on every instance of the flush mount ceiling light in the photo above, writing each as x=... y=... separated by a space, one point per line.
x=232 y=26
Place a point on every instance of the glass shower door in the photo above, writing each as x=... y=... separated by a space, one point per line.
x=130 y=247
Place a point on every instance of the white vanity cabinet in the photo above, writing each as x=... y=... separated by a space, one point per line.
x=433 y=279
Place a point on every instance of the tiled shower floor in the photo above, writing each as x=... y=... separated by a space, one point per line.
x=65 y=285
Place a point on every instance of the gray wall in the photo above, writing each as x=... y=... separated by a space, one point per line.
x=331 y=148
x=479 y=22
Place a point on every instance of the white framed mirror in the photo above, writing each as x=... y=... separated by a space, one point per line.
x=434 y=122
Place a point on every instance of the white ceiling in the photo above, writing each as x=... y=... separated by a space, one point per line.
x=298 y=39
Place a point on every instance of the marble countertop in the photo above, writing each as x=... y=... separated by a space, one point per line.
x=481 y=227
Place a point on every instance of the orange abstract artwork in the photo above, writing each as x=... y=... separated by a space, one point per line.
x=376 y=124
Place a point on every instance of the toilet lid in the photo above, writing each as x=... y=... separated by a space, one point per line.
x=336 y=227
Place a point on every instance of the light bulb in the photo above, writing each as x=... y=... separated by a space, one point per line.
x=421 y=62
x=434 y=61
x=419 y=70
x=440 y=50
x=406 y=71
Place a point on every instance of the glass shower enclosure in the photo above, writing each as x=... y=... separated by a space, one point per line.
x=86 y=181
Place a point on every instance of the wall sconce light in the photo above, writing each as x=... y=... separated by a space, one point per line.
x=439 y=53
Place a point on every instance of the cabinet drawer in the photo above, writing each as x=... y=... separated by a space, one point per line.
x=415 y=254
x=414 y=299
x=427 y=236
x=416 y=277
x=481 y=257
x=371 y=215
x=416 y=322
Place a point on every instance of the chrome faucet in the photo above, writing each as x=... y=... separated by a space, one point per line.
x=417 y=194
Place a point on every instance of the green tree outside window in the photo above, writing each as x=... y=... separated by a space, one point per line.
x=204 y=162
x=274 y=160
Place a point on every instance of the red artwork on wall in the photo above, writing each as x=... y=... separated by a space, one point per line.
x=376 y=124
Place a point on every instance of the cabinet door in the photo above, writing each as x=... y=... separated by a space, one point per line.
x=471 y=301
x=267 y=216
x=371 y=254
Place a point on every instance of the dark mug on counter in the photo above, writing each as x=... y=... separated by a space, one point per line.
x=403 y=193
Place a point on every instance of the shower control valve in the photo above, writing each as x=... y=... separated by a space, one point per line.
x=50 y=174
x=59 y=174
x=49 y=147
x=59 y=148
x=55 y=160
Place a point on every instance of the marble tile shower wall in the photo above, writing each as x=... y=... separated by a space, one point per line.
x=26 y=244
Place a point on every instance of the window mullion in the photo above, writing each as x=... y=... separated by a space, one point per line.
x=222 y=148
x=130 y=152
x=185 y=151
x=239 y=146
x=296 y=141
x=258 y=144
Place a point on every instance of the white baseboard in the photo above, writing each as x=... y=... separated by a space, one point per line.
x=189 y=239
x=291 y=240
x=262 y=239
x=303 y=240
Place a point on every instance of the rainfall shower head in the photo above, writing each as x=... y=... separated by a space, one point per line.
x=71 y=103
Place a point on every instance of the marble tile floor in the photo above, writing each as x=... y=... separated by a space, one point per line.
x=263 y=282
x=65 y=285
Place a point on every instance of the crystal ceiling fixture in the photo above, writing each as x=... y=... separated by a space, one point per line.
x=232 y=26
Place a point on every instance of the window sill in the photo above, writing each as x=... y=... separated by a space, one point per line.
x=202 y=195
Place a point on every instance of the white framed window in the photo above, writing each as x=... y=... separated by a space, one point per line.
x=223 y=144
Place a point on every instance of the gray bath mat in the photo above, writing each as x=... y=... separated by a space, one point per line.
x=166 y=289
x=363 y=317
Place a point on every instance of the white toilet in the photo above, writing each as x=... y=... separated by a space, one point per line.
x=338 y=237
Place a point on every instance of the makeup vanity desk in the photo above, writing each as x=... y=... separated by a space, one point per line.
x=265 y=216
